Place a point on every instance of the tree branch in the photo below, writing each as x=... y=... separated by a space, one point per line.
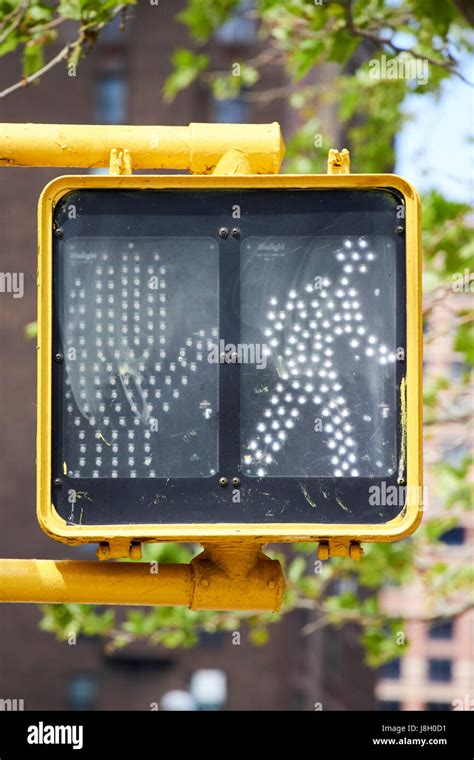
x=381 y=42
x=64 y=53
x=466 y=8
x=443 y=330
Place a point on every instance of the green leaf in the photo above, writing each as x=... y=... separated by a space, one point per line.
x=249 y=75
x=173 y=639
x=71 y=9
x=33 y=58
x=383 y=643
x=31 y=330
x=203 y=17
x=187 y=68
x=39 y=13
x=259 y=636
x=305 y=57
x=343 y=46
x=296 y=569
x=75 y=56
x=464 y=343
x=10 y=43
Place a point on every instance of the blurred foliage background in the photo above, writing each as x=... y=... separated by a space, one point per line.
x=303 y=36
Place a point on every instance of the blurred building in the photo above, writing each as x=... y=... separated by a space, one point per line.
x=437 y=671
x=121 y=81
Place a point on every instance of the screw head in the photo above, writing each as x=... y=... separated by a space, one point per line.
x=236 y=482
x=59 y=358
x=59 y=232
x=235 y=233
x=223 y=482
x=57 y=483
x=399 y=229
x=223 y=232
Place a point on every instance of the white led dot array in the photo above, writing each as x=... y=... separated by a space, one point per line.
x=122 y=378
x=302 y=331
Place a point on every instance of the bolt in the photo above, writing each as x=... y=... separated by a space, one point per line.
x=399 y=229
x=323 y=550
x=271 y=584
x=401 y=481
x=236 y=482
x=234 y=358
x=59 y=358
x=57 y=483
x=223 y=232
x=223 y=482
x=235 y=233
x=103 y=552
x=58 y=231
x=205 y=583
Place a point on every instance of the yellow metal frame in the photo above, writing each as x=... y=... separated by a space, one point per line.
x=340 y=536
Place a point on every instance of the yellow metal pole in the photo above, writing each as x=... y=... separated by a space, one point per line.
x=203 y=584
x=81 y=582
x=197 y=147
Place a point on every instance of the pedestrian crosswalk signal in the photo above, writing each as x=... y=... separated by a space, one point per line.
x=228 y=356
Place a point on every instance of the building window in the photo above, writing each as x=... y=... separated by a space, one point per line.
x=390 y=669
x=233 y=37
x=454 y=537
x=241 y=27
x=440 y=670
x=388 y=705
x=230 y=111
x=443 y=629
x=111 y=98
x=438 y=706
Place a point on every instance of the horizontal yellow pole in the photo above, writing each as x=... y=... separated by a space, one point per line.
x=199 y=585
x=198 y=147
x=65 y=581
